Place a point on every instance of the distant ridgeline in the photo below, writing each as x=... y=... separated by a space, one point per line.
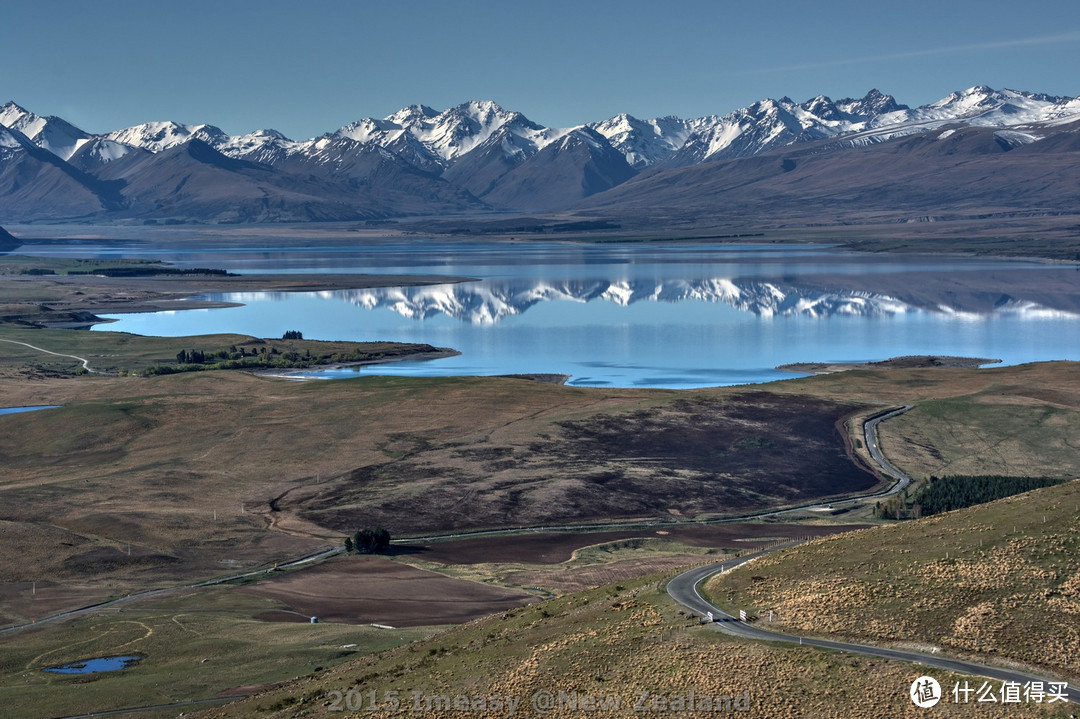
x=153 y=271
x=7 y=241
x=945 y=494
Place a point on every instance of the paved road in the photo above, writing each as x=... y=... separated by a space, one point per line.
x=685 y=589
x=870 y=433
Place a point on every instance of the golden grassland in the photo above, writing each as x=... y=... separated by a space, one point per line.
x=139 y=482
x=612 y=642
x=997 y=581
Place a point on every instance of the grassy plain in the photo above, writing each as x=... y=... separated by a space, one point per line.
x=194 y=645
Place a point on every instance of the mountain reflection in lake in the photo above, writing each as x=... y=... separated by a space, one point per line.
x=682 y=316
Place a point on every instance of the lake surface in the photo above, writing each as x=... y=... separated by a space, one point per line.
x=642 y=315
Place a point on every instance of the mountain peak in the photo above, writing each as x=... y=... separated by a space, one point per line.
x=872 y=103
x=13 y=107
x=158 y=136
x=412 y=114
x=54 y=134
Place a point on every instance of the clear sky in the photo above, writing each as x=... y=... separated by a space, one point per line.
x=305 y=68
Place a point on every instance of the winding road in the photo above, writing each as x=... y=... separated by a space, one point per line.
x=686 y=590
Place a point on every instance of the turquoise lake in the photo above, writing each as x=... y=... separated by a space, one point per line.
x=674 y=315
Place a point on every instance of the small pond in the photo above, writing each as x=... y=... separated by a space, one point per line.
x=16 y=410
x=94 y=666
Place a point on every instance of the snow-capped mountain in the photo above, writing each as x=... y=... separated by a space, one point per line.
x=100 y=151
x=769 y=124
x=37 y=184
x=448 y=135
x=479 y=155
x=268 y=147
x=647 y=142
x=158 y=136
x=51 y=133
x=978 y=106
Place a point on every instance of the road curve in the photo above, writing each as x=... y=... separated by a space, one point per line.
x=685 y=589
x=870 y=434
x=85 y=362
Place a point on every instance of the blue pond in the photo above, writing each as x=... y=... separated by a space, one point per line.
x=94 y=666
x=16 y=410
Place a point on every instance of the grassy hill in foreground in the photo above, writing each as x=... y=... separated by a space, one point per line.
x=609 y=645
x=1000 y=580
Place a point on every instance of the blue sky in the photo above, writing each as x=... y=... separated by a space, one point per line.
x=306 y=68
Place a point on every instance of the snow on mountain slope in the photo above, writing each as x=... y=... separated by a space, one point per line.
x=54 y=134
x=99 y=151
x=479 y=149
x=647 y=142
x=978 y=106
x=158 y=136
x=768 y=124
x=439 y=138
x=12 y=140
x=268 y=147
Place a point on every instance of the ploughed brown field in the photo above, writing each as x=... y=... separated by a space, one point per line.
x=376 y=590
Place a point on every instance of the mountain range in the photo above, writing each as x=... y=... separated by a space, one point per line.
x=976 y=150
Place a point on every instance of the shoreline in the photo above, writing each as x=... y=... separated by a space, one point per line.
x=904 y=362
x=292 y=374
x=77 y=301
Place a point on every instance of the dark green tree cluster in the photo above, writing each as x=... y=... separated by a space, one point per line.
x=369 y=541
x=151 y=271
x=293 y=335
x=255 y=358
x=944 y=494
x=948 y=493
x=233 y=353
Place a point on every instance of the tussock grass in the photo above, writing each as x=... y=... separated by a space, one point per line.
x=1000 y=580
x=613 y=641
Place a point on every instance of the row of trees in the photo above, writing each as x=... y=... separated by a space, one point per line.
x=369 y=541
x=223 y=355
x=268 y=357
